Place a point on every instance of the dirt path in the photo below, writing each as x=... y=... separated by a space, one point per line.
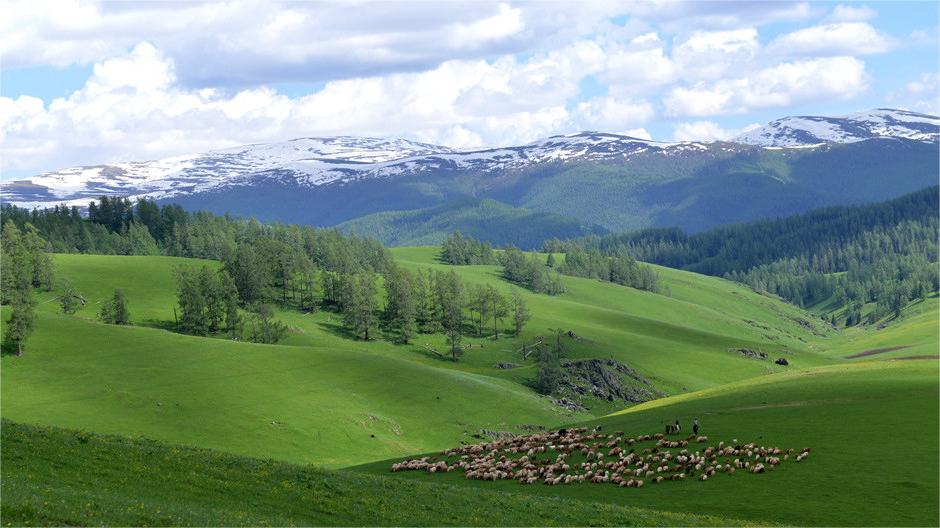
x=874 y=351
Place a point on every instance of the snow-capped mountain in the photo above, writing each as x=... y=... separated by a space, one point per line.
x=311 y=162
x=803 y=131
x=315 y=160
x=610 y=180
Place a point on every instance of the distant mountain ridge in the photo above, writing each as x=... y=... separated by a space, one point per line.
x=590 y=180
x=801 y=131
x=313 y=162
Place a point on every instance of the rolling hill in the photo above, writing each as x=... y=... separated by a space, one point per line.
x=146 y=483
x=871 y=427
x=321 y=397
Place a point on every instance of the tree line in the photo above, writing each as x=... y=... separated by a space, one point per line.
x=543 y=277
x=619 y=269
x=26 y=265
x=114 y=226
x=263 y=266
x=530 y=272
x=459 y=250
x=424 y=302
x=884 y=253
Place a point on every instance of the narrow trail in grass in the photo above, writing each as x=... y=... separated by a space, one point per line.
x=876 y=351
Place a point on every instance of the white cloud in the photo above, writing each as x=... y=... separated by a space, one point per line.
x=608 y=113
x=171 y=78
x=690 y=15
x=847 y=13
x=707 y=55
x=278 y=41
x=631 y=71
x=921 y=94
x=707 y=131
x=843 y=38
x=133 y=107
x=776 y=86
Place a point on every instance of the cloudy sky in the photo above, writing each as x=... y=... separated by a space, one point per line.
x=87 y=82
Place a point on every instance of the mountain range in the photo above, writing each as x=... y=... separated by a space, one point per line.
x=405 y=192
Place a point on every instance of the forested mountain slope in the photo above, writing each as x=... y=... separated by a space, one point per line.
x=884 y=252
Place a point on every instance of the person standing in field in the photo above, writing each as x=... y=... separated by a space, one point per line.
x=695 y=426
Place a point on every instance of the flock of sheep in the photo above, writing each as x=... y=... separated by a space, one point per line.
x=570 y=456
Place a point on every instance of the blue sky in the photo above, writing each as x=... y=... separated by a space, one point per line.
x=85 y=82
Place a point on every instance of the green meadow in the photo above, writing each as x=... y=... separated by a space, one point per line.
x=108 y=480
x=320 y=400
x=871 y=426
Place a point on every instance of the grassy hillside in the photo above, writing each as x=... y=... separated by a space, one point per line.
x=496 y=222
x=320 y=396
x=915 y=333
x=87 y=479
x=306 y=404
x=872 y=427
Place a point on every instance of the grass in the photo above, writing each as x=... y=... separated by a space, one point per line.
x=872 y=427
x=148 y=282
x=58 y=477
x=915 y=333
x=322 y=398
x=303 y=404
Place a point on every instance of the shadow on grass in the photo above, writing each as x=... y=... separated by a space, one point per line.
x=159 y=324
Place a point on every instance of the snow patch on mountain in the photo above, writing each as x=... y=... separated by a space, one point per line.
x=807 y=131
x=312 y=162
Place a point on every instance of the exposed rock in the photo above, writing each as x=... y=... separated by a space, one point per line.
x=506 y=365
x=571 y=405
x=606 y=379
x=748 y=353
x=782 y=361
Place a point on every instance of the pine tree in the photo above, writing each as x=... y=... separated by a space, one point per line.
x=360 y=303
x=498 y=308
x=451 y=297
x=114 y=310
x=520 y=313
x=550 y=373
x=311 y=291
x=22 y=319
x=401 y=306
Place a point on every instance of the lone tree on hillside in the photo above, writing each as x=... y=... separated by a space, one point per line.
x=71 y=300
x=114 y=310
